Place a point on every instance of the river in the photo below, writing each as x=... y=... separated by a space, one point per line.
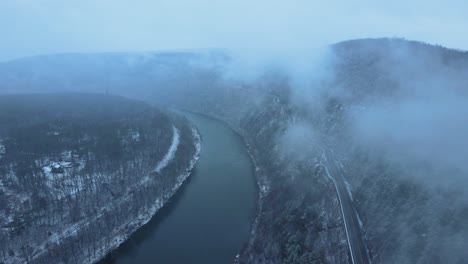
x=208 y=220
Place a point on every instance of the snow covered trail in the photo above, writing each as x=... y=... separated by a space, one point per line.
x=171 y=152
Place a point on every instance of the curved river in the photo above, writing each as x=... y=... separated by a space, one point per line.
x=208 y=220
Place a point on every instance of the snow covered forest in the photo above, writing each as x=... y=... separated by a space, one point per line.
x=80 y=172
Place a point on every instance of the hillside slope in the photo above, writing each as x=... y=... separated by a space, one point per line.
x=80 y=172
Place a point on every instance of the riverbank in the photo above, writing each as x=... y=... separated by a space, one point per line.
x=209 y=220
x=124 y=231
x=262 y=183
x=78 y=182
x=144 y=218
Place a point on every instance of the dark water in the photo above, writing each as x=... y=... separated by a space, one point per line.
x=209 y=219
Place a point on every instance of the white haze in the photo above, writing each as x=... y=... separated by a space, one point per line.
x=258 y=30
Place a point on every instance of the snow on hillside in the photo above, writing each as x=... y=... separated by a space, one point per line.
x=144 y=217
x=171 y=152
x=2 y=149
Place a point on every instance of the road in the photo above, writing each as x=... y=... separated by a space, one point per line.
x=356 y=242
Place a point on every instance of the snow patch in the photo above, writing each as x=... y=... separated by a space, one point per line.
x=58 y=168
x=171 y=152
x=2 y=149
x=53 y=133
x=60 y=174
x=136 y=136
x=360 y=221
x=348 y=188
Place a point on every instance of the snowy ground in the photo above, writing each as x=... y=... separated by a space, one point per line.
x=348 y=188
x=143 y=218
x=63 y=172
x=2 y=149
x=58 y=171
x=171 y=151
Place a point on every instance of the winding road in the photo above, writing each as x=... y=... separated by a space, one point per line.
x=357 y=245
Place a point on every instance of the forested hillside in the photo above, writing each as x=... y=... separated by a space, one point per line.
x=80 y=172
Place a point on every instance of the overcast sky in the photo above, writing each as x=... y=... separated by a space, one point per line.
x=30 y=27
